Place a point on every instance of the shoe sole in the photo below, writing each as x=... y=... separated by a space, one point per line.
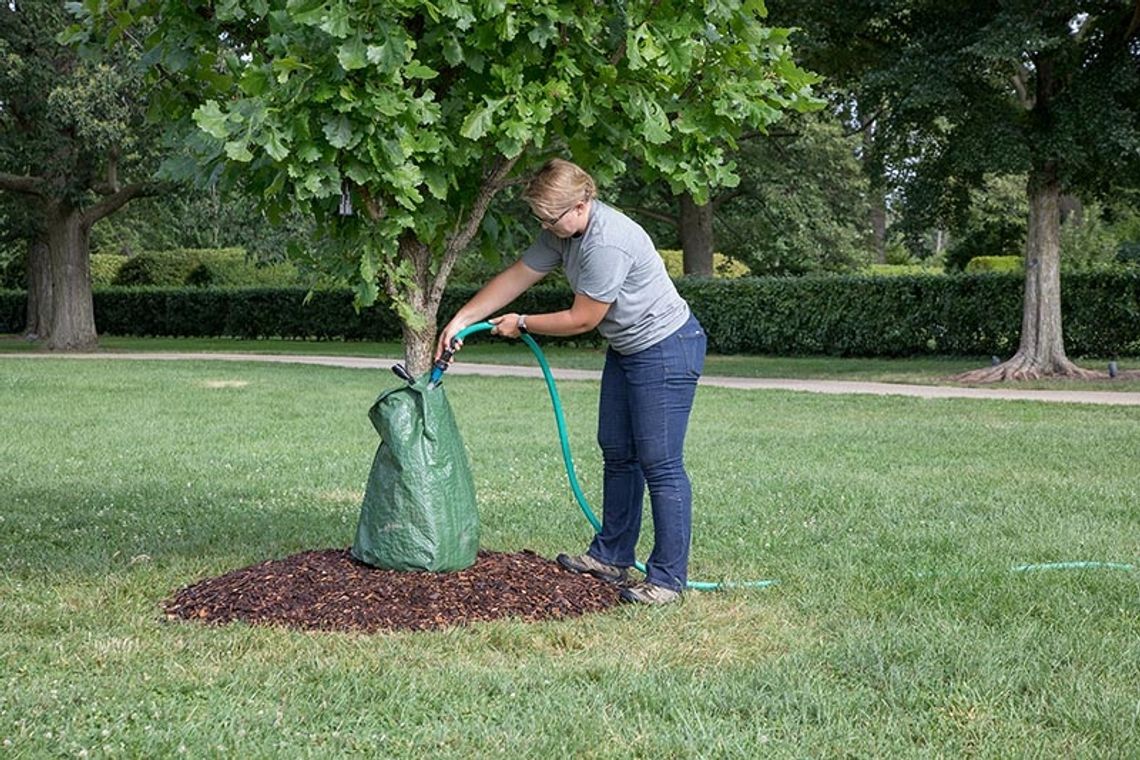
x=626 y=596
x=564 y=561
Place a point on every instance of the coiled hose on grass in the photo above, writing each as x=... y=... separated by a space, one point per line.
x=584 y=505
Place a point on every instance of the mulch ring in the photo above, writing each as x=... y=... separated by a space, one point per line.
x=328 y=590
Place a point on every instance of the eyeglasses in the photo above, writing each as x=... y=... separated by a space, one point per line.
x=555 y=220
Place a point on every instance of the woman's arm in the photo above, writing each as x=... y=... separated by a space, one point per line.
x=505 y=287
x=582 y=316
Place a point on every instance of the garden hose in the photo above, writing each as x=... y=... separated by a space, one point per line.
x=584 y=505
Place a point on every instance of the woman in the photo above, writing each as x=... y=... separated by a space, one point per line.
x=655 y=356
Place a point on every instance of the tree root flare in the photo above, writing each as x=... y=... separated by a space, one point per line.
x=1022 y=367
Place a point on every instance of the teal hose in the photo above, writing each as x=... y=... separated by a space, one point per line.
x=568 y=460
x=584 y=505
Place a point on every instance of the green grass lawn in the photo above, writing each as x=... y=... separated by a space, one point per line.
x=929 y=370
x=897 y=630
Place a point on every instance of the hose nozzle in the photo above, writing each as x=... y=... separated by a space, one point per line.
x=440 y=367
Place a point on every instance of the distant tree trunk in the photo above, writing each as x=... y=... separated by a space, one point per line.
x=879 y=227
x=1042 y=349
x=878 y=199
x=940 y=241
x=72 y=306
x=39 y=290
x=696 y=236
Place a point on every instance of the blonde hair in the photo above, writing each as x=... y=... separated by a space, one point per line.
x=557 y=186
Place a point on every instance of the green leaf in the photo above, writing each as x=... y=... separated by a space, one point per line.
x=480 y=120
x=237 y=150
x=654 y=122
x=338 y=131
x=306 y=12
x=436 y=181
x=389 y=56
x=417 y=70
x=254 y=82
x=452 y=51
x=286 y=66
x=352 y=54
x=359 y=172
x=543 y=33
x=338 y=22
x=275 y=146
x=211 y=120
x=308 y=153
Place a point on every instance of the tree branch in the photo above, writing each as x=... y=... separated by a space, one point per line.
x=111 y=185
x=724 y=198
x=773 y=133
x=866 y=124
x=22 y=184
x=656 y=215
x=1021 y=84
x=465 y=231
x=1134 y=24
x=113 y=203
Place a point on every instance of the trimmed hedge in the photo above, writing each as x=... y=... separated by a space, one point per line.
x=171 y=268
x=963 y=314
x=105 y=267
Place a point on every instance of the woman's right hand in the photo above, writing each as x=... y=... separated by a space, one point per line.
x=448 y=335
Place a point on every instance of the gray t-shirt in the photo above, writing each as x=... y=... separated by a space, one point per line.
x=614 y=261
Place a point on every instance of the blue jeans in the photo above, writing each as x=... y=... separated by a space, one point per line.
x=642 y=418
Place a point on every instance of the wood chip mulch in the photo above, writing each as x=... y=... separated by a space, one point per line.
x=328 y=590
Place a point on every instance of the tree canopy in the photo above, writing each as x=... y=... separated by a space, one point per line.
x=396 y=123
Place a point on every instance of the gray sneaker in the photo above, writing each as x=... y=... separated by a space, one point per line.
x=649 y=593
x=584 y=563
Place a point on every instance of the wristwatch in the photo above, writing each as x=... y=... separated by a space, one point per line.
x=522 y=323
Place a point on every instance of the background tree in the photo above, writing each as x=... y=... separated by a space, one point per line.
x=801 y=204
x=69 y=135
x=799 y=207
x=206 y=217
x=977 y=89
x=846 y=43
x=398 y=123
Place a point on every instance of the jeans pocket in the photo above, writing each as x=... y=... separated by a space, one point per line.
x=692 y=343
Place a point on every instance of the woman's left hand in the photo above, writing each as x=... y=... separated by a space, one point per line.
x=506 y=326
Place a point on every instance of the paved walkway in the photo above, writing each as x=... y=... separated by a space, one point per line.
x=747 y=383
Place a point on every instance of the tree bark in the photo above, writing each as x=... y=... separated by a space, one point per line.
x=39 y=290
x=73 y=310
x=879 y=226
x=878 y=200
x=696 y=237
x=1042 y=349
x=419 y=337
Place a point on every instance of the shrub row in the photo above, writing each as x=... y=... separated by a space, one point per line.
x=963 y=314
x=966 y=314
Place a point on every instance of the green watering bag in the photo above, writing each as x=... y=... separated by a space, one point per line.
x=419 y=506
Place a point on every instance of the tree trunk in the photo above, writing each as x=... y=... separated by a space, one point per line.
x=696 y=237
x=419 y=334
x=39 y=290
x=879 y=226
x=73 y=310
x=878 y=199
x=1042 y=349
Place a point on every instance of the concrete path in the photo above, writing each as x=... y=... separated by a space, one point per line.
x=746 y=383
